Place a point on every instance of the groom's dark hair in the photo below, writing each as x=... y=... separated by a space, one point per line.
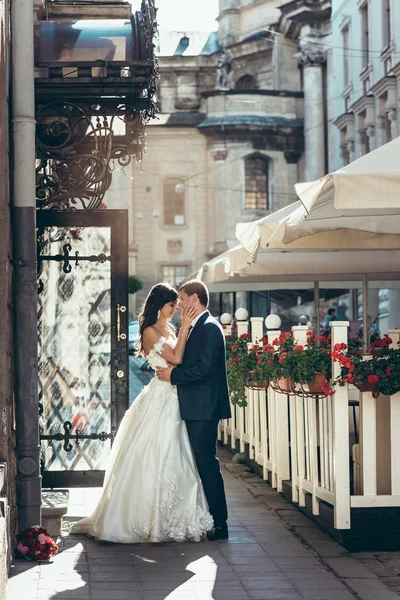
x=195 y=286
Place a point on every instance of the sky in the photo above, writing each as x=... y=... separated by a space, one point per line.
x=185 y=15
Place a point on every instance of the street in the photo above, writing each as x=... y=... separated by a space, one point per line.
x=273 y=553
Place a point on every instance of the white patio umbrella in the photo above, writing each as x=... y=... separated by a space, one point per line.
x=364 y=196
x=373 y=179
x=318 y=264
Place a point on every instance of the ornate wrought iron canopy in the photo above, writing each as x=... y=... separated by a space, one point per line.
x=95 y=92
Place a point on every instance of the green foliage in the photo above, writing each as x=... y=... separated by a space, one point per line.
x=239 y=363
x=134 y=284
x=380 y=367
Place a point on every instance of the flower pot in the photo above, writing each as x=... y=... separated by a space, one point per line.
x=378 y=351
x=285 y=385
x=318 y=383
x=368 y=387
x=257 y=385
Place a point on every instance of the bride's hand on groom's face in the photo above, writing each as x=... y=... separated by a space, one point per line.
x=188 y=314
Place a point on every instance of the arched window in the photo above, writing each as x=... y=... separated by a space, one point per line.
x=246 y=82
x=174 y=201
x=256 y=182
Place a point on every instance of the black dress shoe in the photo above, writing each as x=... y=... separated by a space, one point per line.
x=218 y=533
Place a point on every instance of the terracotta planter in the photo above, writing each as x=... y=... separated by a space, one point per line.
x=318 y=383
x=257 y=385
x=285 y=385
x=368 y=387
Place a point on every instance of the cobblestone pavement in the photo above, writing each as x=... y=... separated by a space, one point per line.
x=274 y=553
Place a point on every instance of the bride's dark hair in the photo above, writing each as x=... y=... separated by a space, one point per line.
x=159 y=295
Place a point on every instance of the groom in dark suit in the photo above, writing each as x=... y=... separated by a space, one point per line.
x=203 y=397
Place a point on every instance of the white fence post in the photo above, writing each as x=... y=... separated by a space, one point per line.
x=394 y=334
x=341 y=468
x=272 y=397
x=300 y=334
x=257 y=331
x=242 y=327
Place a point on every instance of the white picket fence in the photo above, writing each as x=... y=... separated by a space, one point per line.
x=309 y=441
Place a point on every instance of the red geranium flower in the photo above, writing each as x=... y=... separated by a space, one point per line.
x=373 y=378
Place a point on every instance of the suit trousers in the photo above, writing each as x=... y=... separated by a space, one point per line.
x=203 y=439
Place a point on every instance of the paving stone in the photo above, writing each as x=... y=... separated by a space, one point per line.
x=349 y=567
x=368 y=589
x=329 y=594
x=262 y=560
x=275 y=595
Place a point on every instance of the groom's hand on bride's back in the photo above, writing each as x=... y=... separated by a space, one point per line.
x=164 y=374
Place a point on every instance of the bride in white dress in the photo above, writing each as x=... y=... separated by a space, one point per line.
x=152 y=491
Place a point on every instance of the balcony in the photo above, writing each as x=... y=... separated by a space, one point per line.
x=267 y=108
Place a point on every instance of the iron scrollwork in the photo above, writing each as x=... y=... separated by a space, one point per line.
x=77 y=139
x=75 y=146
x=67 y=436
x=66 y=256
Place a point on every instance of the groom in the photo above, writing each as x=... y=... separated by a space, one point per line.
x=203 y=397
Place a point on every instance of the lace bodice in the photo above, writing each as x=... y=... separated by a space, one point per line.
x=154 y=357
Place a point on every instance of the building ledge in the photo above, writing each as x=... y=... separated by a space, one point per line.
x=178 y=119
x=83 y=10
x=251 y=120
x=278 y=93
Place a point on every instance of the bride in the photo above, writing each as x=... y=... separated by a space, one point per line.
x=152 y=491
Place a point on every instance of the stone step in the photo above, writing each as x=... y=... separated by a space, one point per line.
x=54 y=507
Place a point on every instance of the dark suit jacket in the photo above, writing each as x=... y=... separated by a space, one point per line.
x=201 y=378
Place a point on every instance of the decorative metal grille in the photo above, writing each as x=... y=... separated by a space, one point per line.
x=75 y=350
x=93 y=119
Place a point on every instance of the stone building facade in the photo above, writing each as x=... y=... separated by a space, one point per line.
x=364 y=93
x=365 y=86
x=229 y=142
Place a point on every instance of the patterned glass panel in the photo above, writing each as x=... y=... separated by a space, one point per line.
x=75 y=347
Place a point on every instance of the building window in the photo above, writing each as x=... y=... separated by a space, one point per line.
x=346 y=56
x=256 y=183
x=174 y=201
x=364 y=35
x=386 y=22
x=247 y=82
x=174 y=274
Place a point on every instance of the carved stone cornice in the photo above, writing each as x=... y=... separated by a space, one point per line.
x=307 y=11
x=386 y=84
x=219 y=152
x=311 y=56
x=344 y=120
x=363 y=103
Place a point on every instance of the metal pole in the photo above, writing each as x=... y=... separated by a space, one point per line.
x=25 y=276
x=365 y=312
x=316 y=308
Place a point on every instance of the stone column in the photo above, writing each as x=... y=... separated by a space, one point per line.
x=350 y=149
x=392 y=116
x=311 y=59
x=370 y=133
x=219 y=154
x=382 y=129
x=361 y=135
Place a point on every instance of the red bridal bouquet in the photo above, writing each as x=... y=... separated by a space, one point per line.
x=35 y=544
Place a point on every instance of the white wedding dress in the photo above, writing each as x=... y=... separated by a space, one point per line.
x=152 y=491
